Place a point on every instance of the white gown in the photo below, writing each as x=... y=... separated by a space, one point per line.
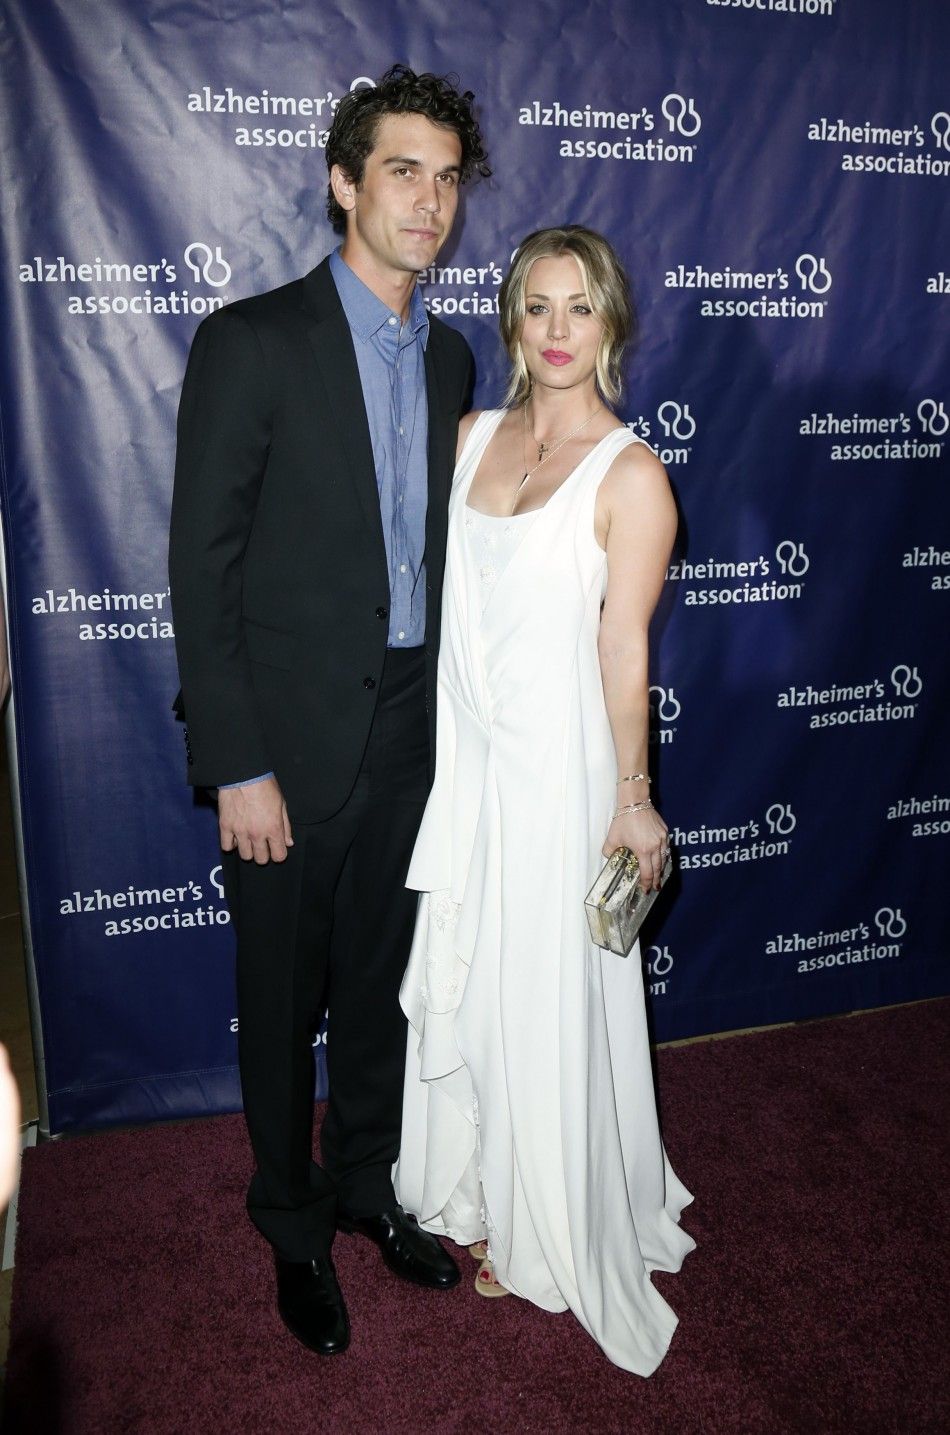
x=529 y=1111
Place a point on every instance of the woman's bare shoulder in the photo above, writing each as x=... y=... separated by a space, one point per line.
x=635 y=470
x=635 y=495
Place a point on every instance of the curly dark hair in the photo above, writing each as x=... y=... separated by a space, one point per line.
x=400 y=92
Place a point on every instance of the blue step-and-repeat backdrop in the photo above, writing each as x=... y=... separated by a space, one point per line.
x=774 y=174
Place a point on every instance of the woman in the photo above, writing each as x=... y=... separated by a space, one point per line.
x=529 y=1114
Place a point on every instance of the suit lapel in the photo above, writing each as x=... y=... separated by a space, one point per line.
x=332 y=345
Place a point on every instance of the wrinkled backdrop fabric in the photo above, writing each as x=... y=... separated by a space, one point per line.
x=773 y=174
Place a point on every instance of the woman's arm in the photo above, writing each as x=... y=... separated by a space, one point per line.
x=636 y=511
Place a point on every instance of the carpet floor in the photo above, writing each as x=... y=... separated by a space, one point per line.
x=816 y=1300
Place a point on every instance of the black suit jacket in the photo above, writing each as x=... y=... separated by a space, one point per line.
x=279 y=583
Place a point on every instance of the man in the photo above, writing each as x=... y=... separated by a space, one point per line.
x=316 y=440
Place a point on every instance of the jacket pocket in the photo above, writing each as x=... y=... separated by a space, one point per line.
x=269 y=646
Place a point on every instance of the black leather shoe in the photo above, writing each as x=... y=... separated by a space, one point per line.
x=407 y=1250
x=311 y=1304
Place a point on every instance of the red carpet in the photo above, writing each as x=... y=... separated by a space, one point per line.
x=817 y=1300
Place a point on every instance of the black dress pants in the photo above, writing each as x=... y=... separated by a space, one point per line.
x=331 y=928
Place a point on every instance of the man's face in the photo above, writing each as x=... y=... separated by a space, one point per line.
x=401 y=214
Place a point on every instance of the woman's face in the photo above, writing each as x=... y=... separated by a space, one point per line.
x=561 y=334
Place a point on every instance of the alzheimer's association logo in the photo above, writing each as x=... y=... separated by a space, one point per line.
x=933 y=417
x=676 y=420
x=940 y=129
x=890 y=922
x=208 y=265
x=781 y=819
x=907 y=681
x=792 y=558
x=813 y=273
x=665 y=708
x=658 y=962
x=681 y=115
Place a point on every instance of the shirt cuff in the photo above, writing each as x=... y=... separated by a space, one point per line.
x=248 y=782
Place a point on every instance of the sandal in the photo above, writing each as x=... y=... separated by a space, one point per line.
x=478 y=1251
x=485 y=1282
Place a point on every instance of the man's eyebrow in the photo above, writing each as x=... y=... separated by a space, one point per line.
x=406 y=159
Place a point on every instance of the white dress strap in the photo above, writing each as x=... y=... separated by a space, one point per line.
x=478 y=438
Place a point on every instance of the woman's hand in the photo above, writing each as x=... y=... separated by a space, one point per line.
x=645 y=833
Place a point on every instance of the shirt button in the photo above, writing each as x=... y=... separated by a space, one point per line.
x=382 y=614
x=393 y=319
x=401 y=432
x=369 y=683
x=402 y=567
x=402 y=635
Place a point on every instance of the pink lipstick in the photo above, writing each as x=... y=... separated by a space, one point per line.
x=557 y=357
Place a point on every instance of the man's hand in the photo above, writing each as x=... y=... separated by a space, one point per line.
x=254 y=820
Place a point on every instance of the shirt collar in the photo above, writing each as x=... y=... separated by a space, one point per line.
x=365 y=313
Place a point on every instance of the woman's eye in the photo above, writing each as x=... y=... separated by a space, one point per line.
x=536 y=309
x=580 y=309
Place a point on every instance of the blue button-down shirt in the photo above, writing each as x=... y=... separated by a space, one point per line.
x=391 y=362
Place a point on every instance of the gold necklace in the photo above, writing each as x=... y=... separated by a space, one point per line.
x=545 y=450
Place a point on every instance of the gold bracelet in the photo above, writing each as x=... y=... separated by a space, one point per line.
x=633 y=807
x=636 y=777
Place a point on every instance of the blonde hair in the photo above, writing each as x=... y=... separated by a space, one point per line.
x=607 y=289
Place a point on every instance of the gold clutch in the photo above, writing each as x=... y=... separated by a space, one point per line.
x=617 y=904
